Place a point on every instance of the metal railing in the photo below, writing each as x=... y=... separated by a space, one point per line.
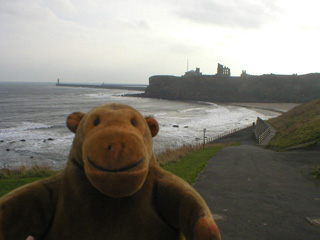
x=211 y=139
x=262 y=130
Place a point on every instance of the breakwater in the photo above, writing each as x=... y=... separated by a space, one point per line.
x=214 y=88
x=135 y=87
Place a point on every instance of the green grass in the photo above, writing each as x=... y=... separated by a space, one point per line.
x=186 y=162
x=8 y=184
x=189 y=167
x=299 y=126
x=12 y=179
x=24 y=172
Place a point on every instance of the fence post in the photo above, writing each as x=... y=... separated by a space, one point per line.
x=204 y=137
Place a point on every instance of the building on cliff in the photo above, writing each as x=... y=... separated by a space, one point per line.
x=244 y=73
x=223 y=71
x=193 y=73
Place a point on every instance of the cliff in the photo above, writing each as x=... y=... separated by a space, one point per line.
x=214 y=88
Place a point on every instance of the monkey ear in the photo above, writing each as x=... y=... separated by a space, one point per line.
x=73 y=121
x=153 y=125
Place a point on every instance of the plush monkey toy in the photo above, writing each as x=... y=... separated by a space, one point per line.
x=111 y=188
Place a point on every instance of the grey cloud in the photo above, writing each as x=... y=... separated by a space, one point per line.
x=182 y=48
x=127 y=25
x=25 y=9
x=144 y=24
x=135 y=24
x=244 y=14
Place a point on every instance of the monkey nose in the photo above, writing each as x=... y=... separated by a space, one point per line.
x=115 y=149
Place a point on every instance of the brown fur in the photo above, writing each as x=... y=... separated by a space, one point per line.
x=111 y=188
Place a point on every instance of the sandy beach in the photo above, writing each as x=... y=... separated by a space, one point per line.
x=274 y=107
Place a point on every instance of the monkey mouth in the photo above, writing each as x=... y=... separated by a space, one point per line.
x=123 y=169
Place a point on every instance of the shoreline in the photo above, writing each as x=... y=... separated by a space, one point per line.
x=276 y=107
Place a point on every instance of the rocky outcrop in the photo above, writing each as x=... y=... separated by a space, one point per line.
x=213 y=88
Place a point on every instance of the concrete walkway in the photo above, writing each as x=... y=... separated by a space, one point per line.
x=261 y=194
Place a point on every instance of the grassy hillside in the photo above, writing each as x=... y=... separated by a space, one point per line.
x=188 y=167
x=299 y=126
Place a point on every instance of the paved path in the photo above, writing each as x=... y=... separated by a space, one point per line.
x=262 y=194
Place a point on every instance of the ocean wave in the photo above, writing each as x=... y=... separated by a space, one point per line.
x=209 y=103
x=26 y=126
x=98 y=95
x=159 y=114
x=220 y=110
x=110 y=94
x=26 y=130
x=190 y=110
x=128 y=93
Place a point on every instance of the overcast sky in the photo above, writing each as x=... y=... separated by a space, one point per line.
x=126 y=41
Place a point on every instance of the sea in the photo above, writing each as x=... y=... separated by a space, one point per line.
x=33 y=120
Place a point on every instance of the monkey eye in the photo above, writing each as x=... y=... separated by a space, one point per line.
x=133 y=122
x=96 y=121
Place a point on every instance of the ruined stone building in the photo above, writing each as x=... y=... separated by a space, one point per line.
x=223 y=71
